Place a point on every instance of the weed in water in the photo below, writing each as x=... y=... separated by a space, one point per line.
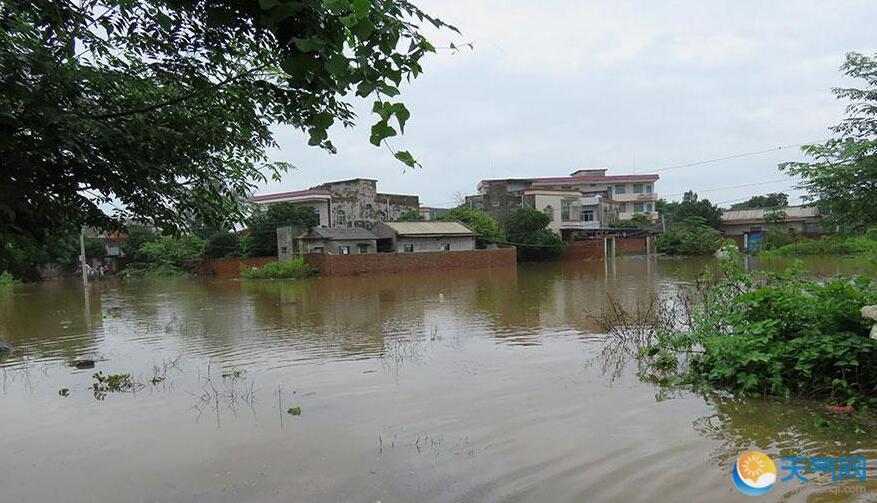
x=294 y=411
x=234 y=373
x=113 y=383
x=64 y=392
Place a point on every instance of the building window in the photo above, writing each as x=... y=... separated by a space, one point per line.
x=619 y=189
x=382 y=215
x=344 y=250
x=564 y=210
x=549 y=212
x=648 y=207
x=648 y=188
x=637 y=188
x=446 y=246
x=363 y=248
x=588 y=216
x=317 y=249
x=622 y=208
x=408 y=248
x=340 y=217
x=283 y=250
x=495 y=203
x=637 y=207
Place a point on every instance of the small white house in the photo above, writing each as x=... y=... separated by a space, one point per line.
x=424 y=236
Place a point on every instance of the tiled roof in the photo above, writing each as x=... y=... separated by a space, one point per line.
x=757 y=214
x=430 y=228
x=646 y=177
x=286 y=195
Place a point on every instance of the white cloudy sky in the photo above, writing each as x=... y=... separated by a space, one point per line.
x=634 y=86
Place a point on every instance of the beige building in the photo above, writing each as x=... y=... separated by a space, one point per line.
x=569 y=210
x=424 y=236
x=747 y=226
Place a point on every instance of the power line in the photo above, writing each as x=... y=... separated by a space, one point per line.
x=734 y=156
x=755 y=184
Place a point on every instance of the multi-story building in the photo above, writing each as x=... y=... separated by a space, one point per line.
x=347 y=203
x=609 y=197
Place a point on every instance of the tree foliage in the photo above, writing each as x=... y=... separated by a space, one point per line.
x=690 y=237
x=690 y=206
x=479 y=221
x=841 y=176
x=162 y=109
x=262 y=226
x=527 y=229
x=772 y=200
x=410 y=216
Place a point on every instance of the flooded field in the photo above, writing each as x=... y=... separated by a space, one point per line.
x=438 y=386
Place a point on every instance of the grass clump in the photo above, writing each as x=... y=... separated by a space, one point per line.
x=827 y=245
x=774 y=335
x=294 y=411
x=112 y=383
x=291 y=269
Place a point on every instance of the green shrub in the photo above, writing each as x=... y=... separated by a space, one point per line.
x=871 y=234
x=828 y=245
x=411 y=216
x=181 y=252
x=778 y=335
x=263 y=223
x=223 y=244
x=294 y=268
x=691 y=237
x=6 y=279
x=777 y=238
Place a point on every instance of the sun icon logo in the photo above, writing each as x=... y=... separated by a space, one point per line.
x=754 y=473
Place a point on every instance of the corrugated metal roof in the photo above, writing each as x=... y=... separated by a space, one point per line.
x=341 y=233
x=430 y=227
x=757 y=214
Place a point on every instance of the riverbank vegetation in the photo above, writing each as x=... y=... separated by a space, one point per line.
x=488 y=230
x=768 y=334
x=788 y=244
x=295 y=268
x=689 y=237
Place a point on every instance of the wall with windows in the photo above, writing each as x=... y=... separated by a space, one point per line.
x=410 y=244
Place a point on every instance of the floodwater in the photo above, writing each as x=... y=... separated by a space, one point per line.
x=489 y=385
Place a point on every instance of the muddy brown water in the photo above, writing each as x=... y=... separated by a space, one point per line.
x=486 y=385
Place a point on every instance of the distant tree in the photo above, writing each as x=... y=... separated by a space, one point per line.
x=774 y=216
x=772 y=200
x=137 y=235
x=411 y=216
x=95 y=248
x=262 y=225
x=223 y=244
x=690 y=206
x=479 y=221
x=841 y=177
x=527 y=229
x=180 y=252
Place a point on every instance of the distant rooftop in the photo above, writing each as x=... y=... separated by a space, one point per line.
x=430 y=228
x=582 y=176
x=755 y=215
x=340 y=233
x=282 y=196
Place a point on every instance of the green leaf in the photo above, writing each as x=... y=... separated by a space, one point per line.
x=361 y=8
x=268 y=4
x=381 y=131
x=407 y=158
x=402 y=115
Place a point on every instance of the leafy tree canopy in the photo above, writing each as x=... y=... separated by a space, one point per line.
x=162 y=108
x=479 y=221
x=690 y=206
x=772 y=200
x=527 y=229
x=841 y=176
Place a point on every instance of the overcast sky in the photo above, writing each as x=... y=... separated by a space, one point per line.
x=554 y=86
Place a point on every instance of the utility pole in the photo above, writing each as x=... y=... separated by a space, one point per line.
x=82 y=256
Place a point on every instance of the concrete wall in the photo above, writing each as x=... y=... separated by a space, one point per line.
x=344 y=265
x=331 y=246
x=362 y=206
x=428 y=244
x=596 y=248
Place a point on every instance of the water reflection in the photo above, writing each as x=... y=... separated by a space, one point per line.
x=447 y=386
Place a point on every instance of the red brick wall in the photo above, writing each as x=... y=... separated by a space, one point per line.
x=630 y=246
x=582 y=250
x=231 y=267
x=344 y=265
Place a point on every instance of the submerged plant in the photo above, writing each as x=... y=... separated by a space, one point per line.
x=294 y=411
x=112 y=383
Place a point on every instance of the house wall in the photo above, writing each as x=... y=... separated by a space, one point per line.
x=231 y=267
x=361 y=205
x=596 y=248
x=430 y=244
x=798 y=226
x=344 y=265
